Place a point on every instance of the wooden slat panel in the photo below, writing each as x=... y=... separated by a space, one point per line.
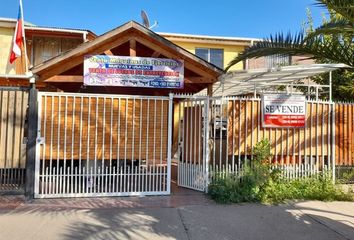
x=17 y=129
x=230 y=127
x=286 y=144
x=10 y=130
x=3 y=128
x=12 y=116
x=176 y=126
x=344 y=134
x=326 y=129
x=95 y=141
x=337 y=122
x=242 y=128
x=22 y=112
x=351 y=135
x=192 y=117
x=339 y=134
x=248 y=116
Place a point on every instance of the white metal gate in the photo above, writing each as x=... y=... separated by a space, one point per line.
x=193 y=128
x=103 y=145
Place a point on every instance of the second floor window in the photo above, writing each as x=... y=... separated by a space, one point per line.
x=212 y=55
x=45 y=48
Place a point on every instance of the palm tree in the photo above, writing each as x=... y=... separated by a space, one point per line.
x=332 y=42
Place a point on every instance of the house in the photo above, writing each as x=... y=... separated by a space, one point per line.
x=116 y=140
x=42 y=43
x=221 y=50
x=215 y=49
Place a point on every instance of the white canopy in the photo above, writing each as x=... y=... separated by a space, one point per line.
x=247 y=81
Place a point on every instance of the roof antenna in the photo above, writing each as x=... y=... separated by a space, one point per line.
x=146 y=21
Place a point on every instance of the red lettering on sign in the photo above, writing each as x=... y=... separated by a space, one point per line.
x=284 y=120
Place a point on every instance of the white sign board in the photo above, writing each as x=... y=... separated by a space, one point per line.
x=102 y=70
x=283 y=111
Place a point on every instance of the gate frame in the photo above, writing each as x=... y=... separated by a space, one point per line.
x=205 y=138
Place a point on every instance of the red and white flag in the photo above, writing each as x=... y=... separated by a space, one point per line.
x=18 y=39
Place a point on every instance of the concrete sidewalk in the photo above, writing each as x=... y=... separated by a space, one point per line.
x=337 y=216
x=195 y=218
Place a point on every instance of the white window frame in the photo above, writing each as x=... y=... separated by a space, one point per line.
x=202 y=48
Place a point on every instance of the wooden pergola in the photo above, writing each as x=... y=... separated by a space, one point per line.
x=65 y=72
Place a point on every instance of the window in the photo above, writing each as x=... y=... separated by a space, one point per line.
x=277 y=60
x=212 y=55
x=45 y=48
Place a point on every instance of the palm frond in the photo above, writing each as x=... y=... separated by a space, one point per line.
x=333 y=50
x=335 y=26
x=343 y=7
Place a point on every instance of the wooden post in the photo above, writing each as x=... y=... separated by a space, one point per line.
x=32 y=119
x=210 y=90
x=132 y=48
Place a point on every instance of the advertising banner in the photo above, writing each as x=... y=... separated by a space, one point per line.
x=283 y=111
x=102 y=70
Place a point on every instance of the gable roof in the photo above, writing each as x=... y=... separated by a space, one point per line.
x=118 y=36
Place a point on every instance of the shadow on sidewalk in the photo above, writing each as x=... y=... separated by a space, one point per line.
x=193 y=217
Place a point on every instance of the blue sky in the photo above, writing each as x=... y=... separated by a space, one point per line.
x=238 y=18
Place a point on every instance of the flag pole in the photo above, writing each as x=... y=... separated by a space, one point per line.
x=24 y=37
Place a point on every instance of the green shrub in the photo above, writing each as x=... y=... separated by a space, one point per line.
x=259 y=183
x=345 y=174
x=231 y=189
x=311 y=188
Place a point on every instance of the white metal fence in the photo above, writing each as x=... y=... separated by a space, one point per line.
x=219 y=133
x=286 y=171
x=101 y=145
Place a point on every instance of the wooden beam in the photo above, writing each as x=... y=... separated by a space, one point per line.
x=197 y=80
x=108 y=52
x=65 y=78
x=132 y=47
x=80 y=79
x=192 y=88
x=155 y=54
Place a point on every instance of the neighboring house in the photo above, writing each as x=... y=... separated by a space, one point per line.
x=42 y=44
x=277 y=60
x=214 y=49
x=221 y=50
